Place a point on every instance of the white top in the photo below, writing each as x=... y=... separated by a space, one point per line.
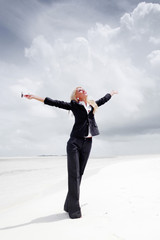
x=88 y=109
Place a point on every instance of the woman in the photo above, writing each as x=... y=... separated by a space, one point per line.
x=80 y=142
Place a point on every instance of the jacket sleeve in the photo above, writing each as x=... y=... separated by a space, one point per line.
x=57 y=103
x=103 y=100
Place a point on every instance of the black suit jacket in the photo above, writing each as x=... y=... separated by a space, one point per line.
x=83 y=121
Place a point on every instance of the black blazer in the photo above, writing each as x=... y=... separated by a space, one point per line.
x=83 y=121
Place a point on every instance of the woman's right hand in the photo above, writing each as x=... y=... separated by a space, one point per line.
x=29 y=96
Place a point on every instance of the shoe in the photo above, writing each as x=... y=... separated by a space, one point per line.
x=75 y=215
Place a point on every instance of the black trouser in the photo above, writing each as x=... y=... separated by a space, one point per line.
x=78 y=150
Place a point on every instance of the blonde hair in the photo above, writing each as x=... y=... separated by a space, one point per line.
x=90 y=102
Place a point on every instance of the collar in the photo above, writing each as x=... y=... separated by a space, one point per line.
x=87 y=107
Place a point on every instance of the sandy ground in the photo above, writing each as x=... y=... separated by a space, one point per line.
x=120 y=199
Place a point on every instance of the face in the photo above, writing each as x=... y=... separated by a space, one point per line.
x=81 y=94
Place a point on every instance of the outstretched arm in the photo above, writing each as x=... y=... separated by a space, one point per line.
x=106 y=98
x=28 y=96
x=49 y=101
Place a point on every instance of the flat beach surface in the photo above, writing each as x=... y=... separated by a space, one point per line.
x=120 y=199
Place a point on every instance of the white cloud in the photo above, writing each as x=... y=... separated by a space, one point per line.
x=143 y=19
x=40 y=51
x=154 y=58
x=155 y=40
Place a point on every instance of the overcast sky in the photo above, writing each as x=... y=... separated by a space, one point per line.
x=48 y=47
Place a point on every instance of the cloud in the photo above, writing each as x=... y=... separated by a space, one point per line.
x=154 y=58
x=125 y=58
x=108 y=55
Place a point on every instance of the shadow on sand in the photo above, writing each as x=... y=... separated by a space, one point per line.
x=51 y=218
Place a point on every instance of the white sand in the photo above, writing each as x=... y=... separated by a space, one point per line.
x=120 y=199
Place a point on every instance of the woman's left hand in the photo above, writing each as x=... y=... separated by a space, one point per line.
x=113 y=92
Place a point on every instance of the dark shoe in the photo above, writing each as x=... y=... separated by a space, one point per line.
x=75 y=215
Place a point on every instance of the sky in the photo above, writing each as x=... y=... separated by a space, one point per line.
x=50 y=47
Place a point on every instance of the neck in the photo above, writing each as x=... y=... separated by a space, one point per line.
x=84 y=100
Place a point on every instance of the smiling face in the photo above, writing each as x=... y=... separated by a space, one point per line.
x=81 y=94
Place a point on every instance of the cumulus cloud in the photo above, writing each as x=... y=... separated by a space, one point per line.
x=113 y=57
x=125 y=58
x=154 y=58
